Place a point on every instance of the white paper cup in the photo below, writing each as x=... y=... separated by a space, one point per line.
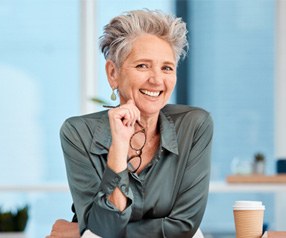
x=248 y=219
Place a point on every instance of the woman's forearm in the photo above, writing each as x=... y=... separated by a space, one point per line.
x=117 y=161
x=118 y=199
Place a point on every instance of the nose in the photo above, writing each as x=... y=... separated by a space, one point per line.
x=156 y=76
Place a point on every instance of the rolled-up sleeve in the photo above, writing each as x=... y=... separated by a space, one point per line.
x=105 y=219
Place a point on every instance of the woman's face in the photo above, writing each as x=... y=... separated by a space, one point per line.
x=148 y=75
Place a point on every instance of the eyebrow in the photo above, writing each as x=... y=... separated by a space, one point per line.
x=149 y=60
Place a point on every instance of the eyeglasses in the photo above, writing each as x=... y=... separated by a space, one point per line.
x=134 y=162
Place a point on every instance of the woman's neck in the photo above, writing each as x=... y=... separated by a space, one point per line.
x=151 y=125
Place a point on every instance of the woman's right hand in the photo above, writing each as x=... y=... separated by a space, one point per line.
x=122 y=120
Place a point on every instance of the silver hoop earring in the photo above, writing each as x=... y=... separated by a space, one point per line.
x=113 y=95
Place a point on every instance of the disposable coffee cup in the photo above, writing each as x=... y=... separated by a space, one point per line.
x=248 y=218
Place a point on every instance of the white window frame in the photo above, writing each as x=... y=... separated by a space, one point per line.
x=280 y=105
x=88 y=54
x=280 y=82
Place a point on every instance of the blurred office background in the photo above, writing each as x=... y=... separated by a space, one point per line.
x=50 y=67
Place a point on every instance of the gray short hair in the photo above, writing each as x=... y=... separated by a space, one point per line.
x=116 y=41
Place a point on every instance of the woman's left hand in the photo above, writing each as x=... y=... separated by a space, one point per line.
x=64 y=229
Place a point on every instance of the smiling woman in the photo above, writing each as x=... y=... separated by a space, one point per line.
x=166 y=192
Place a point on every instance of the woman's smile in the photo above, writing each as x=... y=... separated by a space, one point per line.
x=150 y=93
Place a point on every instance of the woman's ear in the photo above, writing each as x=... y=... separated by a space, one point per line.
x=111 y=73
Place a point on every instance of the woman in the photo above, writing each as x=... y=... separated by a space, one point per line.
x=140 y=169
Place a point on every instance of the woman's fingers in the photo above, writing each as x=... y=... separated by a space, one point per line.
x=126 y=117
x=128 y=113
x=135 y=113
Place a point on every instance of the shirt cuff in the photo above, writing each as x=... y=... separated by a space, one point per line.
x=111 y=180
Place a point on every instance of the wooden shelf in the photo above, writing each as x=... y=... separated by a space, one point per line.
x=256 y=178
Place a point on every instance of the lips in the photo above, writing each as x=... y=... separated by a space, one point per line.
x=150 y=93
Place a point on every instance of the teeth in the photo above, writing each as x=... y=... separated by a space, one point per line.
x=149 y=93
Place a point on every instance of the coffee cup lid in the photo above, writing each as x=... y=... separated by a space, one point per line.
x=248 y=205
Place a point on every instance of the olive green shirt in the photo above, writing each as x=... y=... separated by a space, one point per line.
x=167 y=199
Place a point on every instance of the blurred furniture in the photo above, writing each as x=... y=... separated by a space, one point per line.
x=273 y=179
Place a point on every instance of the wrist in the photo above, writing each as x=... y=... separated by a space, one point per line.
x=117 y=158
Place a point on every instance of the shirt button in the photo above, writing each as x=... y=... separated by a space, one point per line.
x=124 y=188
x=116 y=179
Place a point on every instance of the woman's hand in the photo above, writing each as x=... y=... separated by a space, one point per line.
x=64 y=229
x=122 y=120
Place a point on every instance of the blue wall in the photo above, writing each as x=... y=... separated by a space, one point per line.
x=39 y=88
x=232 y=76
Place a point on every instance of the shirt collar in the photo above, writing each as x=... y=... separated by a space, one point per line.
x=168 y=133
x=102 y=134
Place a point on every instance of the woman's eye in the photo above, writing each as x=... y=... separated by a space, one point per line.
x=141 y=66
x=167 y=68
